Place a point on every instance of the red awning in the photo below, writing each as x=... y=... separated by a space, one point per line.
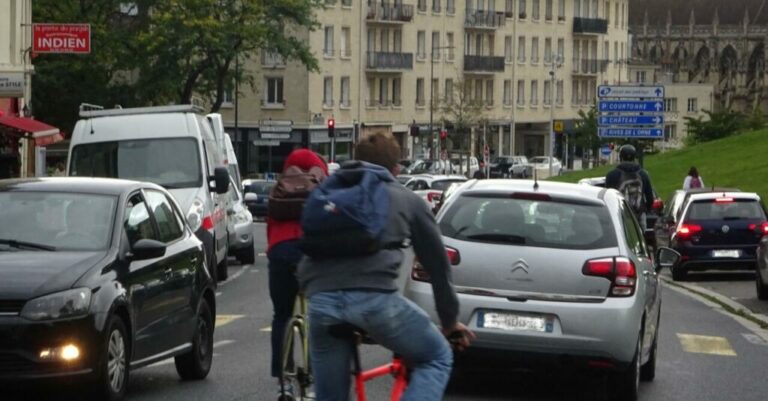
x=42 y=133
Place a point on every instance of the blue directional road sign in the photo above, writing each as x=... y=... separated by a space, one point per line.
x=605 y=150
x=617 y=106
x=646 y=92
x=631 y=120
x=651 y=133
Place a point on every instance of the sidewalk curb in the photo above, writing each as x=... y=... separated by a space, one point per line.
x=730 y=306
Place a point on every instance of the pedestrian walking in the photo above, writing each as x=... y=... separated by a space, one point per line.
x=356 y=224
x=693 y=180
x=302 y=171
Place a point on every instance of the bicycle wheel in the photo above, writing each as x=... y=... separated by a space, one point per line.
x=295 y=373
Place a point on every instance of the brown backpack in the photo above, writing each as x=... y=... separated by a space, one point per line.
x=286 y=200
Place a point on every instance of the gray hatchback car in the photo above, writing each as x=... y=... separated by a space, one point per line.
x=558 y=271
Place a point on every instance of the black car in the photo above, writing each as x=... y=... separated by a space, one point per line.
x=99 y=277
x=664 y=227
x=257 y=205
x=719 y=231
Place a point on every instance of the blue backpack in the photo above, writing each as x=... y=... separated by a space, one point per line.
x=347 y=213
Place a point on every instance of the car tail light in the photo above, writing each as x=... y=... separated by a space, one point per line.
x=620 y=271
x=723 y=200
x=208 y=223
x=686 y=231
x=434 y=196
x=762 y=229
x=419 y=273
x=658 y=204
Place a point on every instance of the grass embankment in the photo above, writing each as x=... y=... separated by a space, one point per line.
x=739 y=161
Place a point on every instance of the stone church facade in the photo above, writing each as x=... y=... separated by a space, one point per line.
x=725 y=50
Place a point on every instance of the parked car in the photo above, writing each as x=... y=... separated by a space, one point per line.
x=430 y=187
x=172 y=146
x=585 y=290
x=256 y=196
x=510 y=167
x=240 y=228
x=99 y=277
x=719 y=231
x=666 y=224
x=466 y=166
x=542 y=163
x=404 y=178
x=432 y=167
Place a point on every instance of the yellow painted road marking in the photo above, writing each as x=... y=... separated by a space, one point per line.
x=706 y=345
x=222 y=320
x=267 y=329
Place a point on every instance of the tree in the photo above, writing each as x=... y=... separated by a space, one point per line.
x=62 y=81
x=192 y=45
x=151 y=52
x=585 y=134
x=716 y=125
x=460 y=110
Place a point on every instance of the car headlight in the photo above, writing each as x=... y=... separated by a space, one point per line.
x=195 y=215
x=242 y=217
x=61 y=305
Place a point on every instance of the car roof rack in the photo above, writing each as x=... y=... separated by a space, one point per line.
x=89 y=110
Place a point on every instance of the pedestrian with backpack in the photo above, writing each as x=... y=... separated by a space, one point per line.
x=355 y=226
x=693 y=180
x=303 y=170
x=633 y=182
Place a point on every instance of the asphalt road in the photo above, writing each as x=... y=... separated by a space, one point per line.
x=704 y=354
x=739 y=286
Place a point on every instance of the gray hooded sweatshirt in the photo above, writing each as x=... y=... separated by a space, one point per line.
x=409 y=220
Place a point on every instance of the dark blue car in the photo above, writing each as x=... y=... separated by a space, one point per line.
x=719 y=231
x=260 y=188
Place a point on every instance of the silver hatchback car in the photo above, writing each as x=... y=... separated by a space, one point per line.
x=553 y=270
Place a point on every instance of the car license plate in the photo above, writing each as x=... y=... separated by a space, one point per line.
x=512 y=322
x=726 y=253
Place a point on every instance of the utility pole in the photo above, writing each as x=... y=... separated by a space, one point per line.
x=556 y=63
x=436 y=145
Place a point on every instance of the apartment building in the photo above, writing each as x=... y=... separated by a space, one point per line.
x=681 y=99
x=388 y=65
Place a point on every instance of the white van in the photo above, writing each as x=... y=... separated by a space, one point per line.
x=173 y=146
x=231 y=162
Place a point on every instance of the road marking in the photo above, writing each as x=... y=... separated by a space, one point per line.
x=755 y=339
x=254 y=270
x=267 y=329
x=222 y=320
x=262 y=254
x=171 y=360
x=706 y=345
x=222 y=343
x=218 y=293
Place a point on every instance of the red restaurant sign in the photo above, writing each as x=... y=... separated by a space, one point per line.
x=61 y=38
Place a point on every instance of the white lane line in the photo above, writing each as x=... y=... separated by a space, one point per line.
x=171 y=360
x=222 y=343
x=235 y=276
x=254 y=270
x=755 y=339
x=218 y=293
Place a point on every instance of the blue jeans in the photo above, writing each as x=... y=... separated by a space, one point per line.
x=283 y=287
x=393 y=322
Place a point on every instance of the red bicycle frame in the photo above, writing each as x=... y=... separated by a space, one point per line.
x=395 y=368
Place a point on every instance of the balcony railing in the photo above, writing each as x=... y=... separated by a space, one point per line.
x=390 y=12
x=590 y=66
x=389 y=61
x=484 y=19
x=272 y=60
x=590 y=25
x=484 y=63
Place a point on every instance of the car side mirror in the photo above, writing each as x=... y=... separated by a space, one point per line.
x=145 y=249
x=666 y=257
x=251 y=197
x=221 y=180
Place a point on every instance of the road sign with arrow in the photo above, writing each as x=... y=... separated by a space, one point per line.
x=630 y=111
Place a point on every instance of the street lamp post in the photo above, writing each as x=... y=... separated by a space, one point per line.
x=436 y=146
x=556 y=63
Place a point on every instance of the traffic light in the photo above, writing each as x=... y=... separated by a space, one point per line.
x=414 y=130
x=443 y=134
x=331 y=128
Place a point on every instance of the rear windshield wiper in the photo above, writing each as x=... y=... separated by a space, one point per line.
x=23 y=244
x=497 y=237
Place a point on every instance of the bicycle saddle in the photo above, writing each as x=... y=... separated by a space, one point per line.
x=349 y=332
